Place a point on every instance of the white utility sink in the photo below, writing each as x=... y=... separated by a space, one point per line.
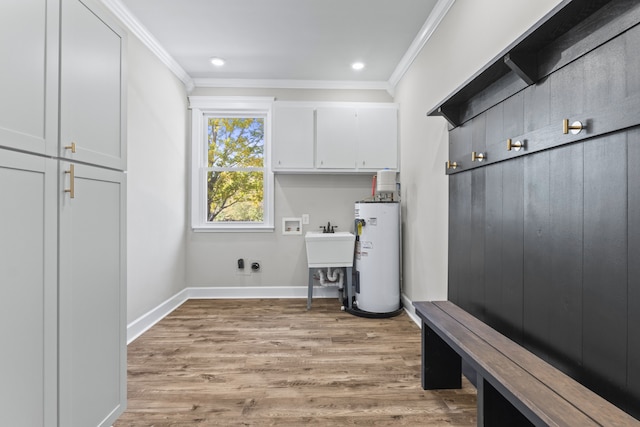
x=329 y=249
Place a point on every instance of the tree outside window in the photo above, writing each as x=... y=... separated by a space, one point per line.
x=235 y=164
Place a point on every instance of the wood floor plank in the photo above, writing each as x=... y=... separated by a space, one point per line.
x=273 y=363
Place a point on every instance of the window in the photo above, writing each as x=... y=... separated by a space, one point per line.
x=232 y=182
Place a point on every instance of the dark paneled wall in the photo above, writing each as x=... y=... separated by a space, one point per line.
x=546 y=247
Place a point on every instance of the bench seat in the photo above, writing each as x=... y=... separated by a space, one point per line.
x=515 y=387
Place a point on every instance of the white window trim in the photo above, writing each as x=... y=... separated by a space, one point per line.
x=202 y=106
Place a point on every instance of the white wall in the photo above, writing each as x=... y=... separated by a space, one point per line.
x=471 y=34
x=211 y=257
x=156 y=200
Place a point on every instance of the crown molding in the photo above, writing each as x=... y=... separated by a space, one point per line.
x=136 y=28
x=293 y=84
x=435 y=17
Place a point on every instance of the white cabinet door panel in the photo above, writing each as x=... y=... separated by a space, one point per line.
x=377 y=138
x=28 y=318
x=293 y=136
x=28 y=76
x=92 y=300
x=92 y=87
x=337 y=136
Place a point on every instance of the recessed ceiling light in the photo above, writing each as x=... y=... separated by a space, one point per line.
x=218 y=62
x=357 y=65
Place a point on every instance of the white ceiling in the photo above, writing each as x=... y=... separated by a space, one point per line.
x=284 y=43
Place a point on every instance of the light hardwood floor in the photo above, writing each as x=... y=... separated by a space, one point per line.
x=273 y=363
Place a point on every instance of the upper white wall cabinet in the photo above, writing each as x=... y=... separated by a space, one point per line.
x=92 y=86
x=377 y=138
x=293 y=137
x=337 y=134
x=349 y=137
x=28 y=75
x=363 y=138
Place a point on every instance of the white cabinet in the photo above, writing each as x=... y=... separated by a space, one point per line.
x=361 y=138
x=28 y=314
x=92 y=272
x=337 y=135
x=377 y=138
x=349 y=137
x=293 y=136
x=92 y=86
x=62 y=260
x=28 y=75
x=92 y=297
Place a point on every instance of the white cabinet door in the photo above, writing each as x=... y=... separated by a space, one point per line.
x=28 y=76
x=377 y=138
x=92 y=86
x=358 y=139
x=293 y=134
x=337 y=136
x=28 y=316
x=92 y=303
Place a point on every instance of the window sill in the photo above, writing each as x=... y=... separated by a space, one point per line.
x=233 y=229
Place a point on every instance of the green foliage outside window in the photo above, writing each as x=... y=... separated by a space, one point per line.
x=235 y=161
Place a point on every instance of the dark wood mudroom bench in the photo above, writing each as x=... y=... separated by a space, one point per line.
x=515 y=387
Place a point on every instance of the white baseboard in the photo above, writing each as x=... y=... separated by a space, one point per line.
x=410 y=309
x=147 y=320
x=254 y=292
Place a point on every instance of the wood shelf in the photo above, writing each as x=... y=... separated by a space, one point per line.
x=526 y=59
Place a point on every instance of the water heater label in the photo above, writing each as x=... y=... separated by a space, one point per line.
x=373 y=221
x=366 y=245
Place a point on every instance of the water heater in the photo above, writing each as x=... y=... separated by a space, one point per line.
x=377 y=256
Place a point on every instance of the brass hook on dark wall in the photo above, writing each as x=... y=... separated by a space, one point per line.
x=516 y=146
x=477 y=156
x=575 y=127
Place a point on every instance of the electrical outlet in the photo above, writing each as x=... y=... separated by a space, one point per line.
x=305 y=219
x=242 y=269
x=255 y=266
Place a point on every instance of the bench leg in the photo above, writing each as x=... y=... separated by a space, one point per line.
x=349 y=286
x=495 y=410
x=441 y=366
x=310 y=290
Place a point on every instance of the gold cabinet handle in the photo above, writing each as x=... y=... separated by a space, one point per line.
x=71 y=147
x=516 y=146
x=452 y=165
x=575 y=127
x=72 y=181
x=477 y=156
